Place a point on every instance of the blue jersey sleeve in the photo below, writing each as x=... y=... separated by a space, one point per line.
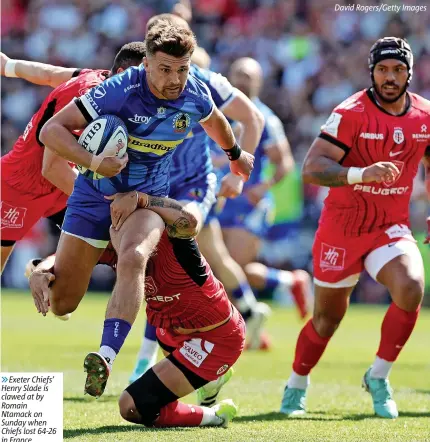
x=221 y=89
x=273 y=131
x=109 y=96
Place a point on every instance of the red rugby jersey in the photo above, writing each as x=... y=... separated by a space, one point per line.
x=22 y=166
x=180 y=288
x=368 y=134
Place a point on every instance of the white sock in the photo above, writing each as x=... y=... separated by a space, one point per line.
x=148 y=350
x=286 y=279
x=380 y=369
x=108 y=353
x=210 y=418
x=298 y=381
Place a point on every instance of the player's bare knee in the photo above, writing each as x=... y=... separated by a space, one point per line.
x=325 y=325
x=62 y=306
x=133 y=258
x=409 y=293
x=127 y=408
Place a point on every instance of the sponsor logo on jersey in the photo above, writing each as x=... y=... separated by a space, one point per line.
x=12 y=217
x=131 y=86
x=196 y=350
x=371 y=136
x=400 y=165
x=421 y=136
x=374 y=190
x=332 y=258
x=398 y=136
x=181 y=122
x=140 y=119
x=222 y=369
x=161 y=112
x=99 y=92
x=394 y=154
x=399 y=231
x=193 y=92
x=94 y=105
x=161 y=298
x=332 y=124
x=152 y=146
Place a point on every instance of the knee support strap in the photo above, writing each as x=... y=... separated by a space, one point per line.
x=150 y=395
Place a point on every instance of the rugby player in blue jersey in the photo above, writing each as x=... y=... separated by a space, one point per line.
x=193 y=183
x=174 y=103
x=246 y=219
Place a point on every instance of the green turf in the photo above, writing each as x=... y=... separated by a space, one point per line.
x=339 y=410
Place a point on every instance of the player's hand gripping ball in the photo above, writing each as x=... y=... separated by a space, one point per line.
x=106 y=136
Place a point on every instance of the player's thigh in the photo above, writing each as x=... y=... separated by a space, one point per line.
x=399 y=267
x=242 y=245
x=138 y=235
x=172 y=377
x=74 y=263
x=5 y=253
x=331 y=303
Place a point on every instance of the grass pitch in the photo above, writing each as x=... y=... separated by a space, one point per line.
x=339 y=410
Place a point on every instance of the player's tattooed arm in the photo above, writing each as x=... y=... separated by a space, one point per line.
x=321 y=165
x=181 y=223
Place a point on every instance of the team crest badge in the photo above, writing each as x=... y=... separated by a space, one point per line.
x=398 y=136
x=181 y=122
x=161 y=112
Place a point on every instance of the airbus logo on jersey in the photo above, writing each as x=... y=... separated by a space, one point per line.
x=140 y=119
x=371 y=136
x=398 y=136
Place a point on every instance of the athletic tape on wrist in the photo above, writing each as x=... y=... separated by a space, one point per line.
x=355 y=175
x=233 y=153
x=9 y=69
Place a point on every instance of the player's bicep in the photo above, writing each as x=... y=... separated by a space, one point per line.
x=242 y=109
x=70 y=117
x=323 y=148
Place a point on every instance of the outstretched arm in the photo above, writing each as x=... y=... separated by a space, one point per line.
x=37 y=73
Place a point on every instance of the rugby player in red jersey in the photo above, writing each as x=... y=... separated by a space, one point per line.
x=197 y=326
x=35 y=183
x=368 y=153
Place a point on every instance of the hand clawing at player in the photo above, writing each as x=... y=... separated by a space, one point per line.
x=111 y=166
x=427 y=240
x=231 y=186
x=122 y=206
x=39 y=285
x=243 y=165
x=384 y=171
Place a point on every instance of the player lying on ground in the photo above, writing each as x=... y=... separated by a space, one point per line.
x=196 y=324
x=35 y=183
x=368 y=152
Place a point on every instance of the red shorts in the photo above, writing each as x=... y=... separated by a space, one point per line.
x=338 y=260
x=20 y=212
x=208 y=354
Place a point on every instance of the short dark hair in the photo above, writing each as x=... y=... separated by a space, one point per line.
x=169 y=18
x=170 y=38
x=131 y=54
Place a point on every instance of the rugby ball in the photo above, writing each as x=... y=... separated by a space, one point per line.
x=107 y=136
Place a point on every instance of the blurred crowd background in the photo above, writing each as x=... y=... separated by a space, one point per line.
x=312 y=57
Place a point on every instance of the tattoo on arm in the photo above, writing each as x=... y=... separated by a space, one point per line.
x=179 y=227
x=330 y=173
x=154 y=201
